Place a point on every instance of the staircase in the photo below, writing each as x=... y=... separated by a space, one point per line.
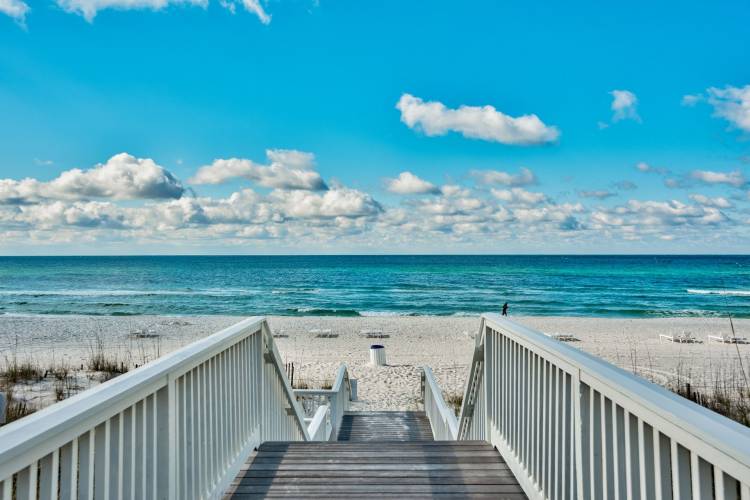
x=378 y=455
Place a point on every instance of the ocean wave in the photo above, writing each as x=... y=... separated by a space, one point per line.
x=314 y=311
x=734 y=293
x=127 y=293
x=386 y=314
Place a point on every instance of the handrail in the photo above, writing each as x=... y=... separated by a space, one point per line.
x=473 y=393
x=278 y=365
x=319 y=428
x=178 y=427
x=442 y=418
x=337 y=398
x=571 y=425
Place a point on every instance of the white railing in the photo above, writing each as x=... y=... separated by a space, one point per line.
x=571 y=425
x=178 y=427
x=442 y=418
x=337 y=398
x=319 y=427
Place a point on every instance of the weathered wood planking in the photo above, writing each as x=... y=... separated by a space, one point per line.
x=378 y=455
x=385 y=426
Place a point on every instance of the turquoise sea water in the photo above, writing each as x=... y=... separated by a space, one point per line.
x=624 y=286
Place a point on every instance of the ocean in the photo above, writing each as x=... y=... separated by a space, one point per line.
x=612 y=286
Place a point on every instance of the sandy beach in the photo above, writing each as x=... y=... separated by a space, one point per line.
x=443 y=343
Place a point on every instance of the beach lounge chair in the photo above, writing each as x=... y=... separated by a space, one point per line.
x=323 y=333
x=374 y=334
x=682 y=338
x=562 y=337
x=727 y=339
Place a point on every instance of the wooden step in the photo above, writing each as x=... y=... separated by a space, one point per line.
x=385 y=426
x=376 y=469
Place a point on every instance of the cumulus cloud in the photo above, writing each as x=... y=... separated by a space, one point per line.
x=408 y=183
x=340 y=216
x=288 y=169
x=122 y=177
x=90 y=8
x=486 y=123
x=336 y=202
x=17 y=9
x=732 y=104
x=524 y=177
x=624 y=103
x=706 y=201
x=600 y=194
x=662 y=214
x=519 y=196
x=734 y=179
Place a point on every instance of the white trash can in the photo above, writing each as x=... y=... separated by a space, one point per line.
x=377 y=355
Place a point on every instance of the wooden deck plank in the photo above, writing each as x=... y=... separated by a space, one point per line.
x=379 y=455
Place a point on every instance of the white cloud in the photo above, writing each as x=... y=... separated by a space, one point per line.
x=485 y=122
x=692 y=99
x=288 y=169
x=122 y=177
x=734 y=179
x=525 y=177
x=454 y=190
x=90 y=8
x=661 y=214
x=706 y=201
x=17 y=9
x=342 y=216
x=600 y=194
x=519 y=196
x=732 y=104
x=624 y=104
x=336 y=202
x=649 y=169
x=408 y=183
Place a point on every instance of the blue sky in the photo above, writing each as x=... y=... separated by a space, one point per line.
x=635 y=136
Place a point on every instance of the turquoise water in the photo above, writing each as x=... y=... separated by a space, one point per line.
x=617 y=286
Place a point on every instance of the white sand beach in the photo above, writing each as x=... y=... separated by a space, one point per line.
x=443 y=343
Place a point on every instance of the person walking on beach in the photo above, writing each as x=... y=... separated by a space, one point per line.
x=505 y=309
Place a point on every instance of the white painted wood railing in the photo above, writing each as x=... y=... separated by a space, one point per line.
x=442 y=417
x=319 y=427
x=337 y=398
x=176 y=428
x=571 y=425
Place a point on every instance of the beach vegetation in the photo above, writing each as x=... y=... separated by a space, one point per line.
x=20 y=371
x=106 y=364
x=727 y=395
x=16 y=408
x=301 y=383
x=455 y=400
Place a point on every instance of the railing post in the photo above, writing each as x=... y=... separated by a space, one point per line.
x=166 y=441
x=421 y=385
x=578 y=429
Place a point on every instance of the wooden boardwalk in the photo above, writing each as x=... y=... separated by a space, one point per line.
x=404 y=462
x=385 y=426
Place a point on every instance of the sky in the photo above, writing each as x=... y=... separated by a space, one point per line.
x=302 y=126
